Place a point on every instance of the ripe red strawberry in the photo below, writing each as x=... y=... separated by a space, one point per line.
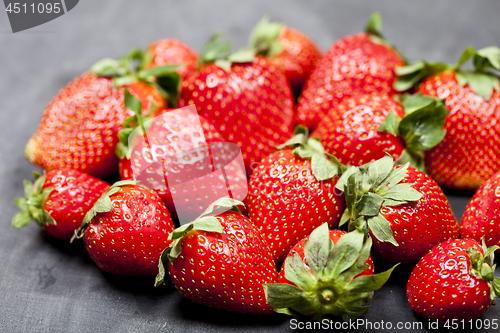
x=455 y=280
x=80 y=125
x=355 y=64
x=287 y=48
x=179 y=147
x=468 y=154
x=329 y=273
x=58 y=201
x=365 y=127
x=170 y=51
x=220 y=260
x=126 y=230
x=248 y=100
x=292 y=192
x=481 y=218
x=402 y=208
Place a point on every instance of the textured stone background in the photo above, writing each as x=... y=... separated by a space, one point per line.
x=49 y=286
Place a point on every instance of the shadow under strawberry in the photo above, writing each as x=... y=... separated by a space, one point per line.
x=191 y=311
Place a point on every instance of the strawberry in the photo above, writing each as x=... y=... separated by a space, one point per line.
x=80 y=125
x=365 y=127
x=455 y=280
x=468 y=155
x=287 y=48
x=355 y=64
x=170 y=51
x=245 y=97
x=126 y=230
x=220 y=260
x=292 y=192
x=179 y=147
x=58 y=201
x=329 y=273
x=401 y=208
x=481 y=218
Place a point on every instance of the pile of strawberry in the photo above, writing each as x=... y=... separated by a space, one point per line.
x=384 y=134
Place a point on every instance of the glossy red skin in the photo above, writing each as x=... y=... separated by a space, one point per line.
x=170 y=51
x=298 y=57
x=299 y=249
x=481 y=216
x=441 y=288
x=74 y=193
x=469 y=153
x=353 y=65
x=418 y=226
x=350 y=130
x=252 y=106
x=286 y=202
x=80 y=125
x=180 y=135
x=130 y=239
x=225 y=271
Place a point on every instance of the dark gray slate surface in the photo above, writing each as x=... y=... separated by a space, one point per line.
x=49 y=286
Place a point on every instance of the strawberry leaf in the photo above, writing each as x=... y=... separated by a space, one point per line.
x=282 y=295
x=468 y=53
x=360 y=265
x=107 y=67
x=318 y=250
x=415 y=102
x=402 y=192
x=422 y=129
x=225 y=203
x=374 y=24
x=299 y=138
x=369 y=204
x=297 y=273
x=488 y=57
x=390 y=124
x=214 y=50
x=379 y=170
x=367 y=283
x=395 y=176
x=410 y=76
x=32 y=204
x=482 y=84
x=496 y=285
x=322 y=168
x=345 y=253
x=381 y=229
x=342 y=182
x=263 y=38
x=21 y=219
x=162 y=272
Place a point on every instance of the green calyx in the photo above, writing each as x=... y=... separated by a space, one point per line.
x=329 y=286
x=130 y=68
x=133 y=104
x=216 y=51
x=374 y=28
x=263 y=38
x=370 y=187
x=324 y=166
x=102 y=205
x=207 y=221
x=32 y=204
x=421 y=128
x=482 y=79
x=483 y=267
